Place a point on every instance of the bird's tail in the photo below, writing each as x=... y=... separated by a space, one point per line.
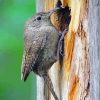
x=48 y=82
x=25 y=68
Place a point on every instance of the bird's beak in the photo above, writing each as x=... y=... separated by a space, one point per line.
x=52 y=11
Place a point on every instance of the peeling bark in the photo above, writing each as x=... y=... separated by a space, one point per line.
x=71 y=80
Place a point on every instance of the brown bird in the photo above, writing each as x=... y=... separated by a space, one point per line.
x=41 y=40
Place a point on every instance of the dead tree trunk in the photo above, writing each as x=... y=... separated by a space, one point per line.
x=71 y=80
x=94 y=47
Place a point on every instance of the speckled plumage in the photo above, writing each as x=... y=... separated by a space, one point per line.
x=40 y=46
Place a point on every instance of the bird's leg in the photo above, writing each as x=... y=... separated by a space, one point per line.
x=60 y=43
x=46 y=92
x=48 y=82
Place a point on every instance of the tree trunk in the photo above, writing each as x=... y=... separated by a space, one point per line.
x=78 y=77
x=94 y=47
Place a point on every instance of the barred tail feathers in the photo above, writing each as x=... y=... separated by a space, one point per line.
x=25 y=68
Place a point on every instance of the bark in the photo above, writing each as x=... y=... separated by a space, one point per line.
x=94 y=46
x=71 y=79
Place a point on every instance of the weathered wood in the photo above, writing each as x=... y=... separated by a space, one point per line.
x=94 y=47
x=76 y=61
x=39 y=5
x=71 y=80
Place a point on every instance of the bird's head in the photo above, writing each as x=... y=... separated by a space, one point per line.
x=41 y=18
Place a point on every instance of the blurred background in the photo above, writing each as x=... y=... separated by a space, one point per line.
x=13 y=14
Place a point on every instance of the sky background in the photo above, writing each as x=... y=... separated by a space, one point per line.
x=13 y=14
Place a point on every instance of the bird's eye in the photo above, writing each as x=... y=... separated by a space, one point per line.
x=38 y=18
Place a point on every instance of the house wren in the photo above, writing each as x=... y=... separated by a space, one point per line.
x=40 y=47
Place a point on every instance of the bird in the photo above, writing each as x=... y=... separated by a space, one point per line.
x=41 y=40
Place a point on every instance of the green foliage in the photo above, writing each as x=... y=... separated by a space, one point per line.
x=13 y=14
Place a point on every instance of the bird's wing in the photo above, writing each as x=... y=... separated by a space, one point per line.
x=33 y=47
